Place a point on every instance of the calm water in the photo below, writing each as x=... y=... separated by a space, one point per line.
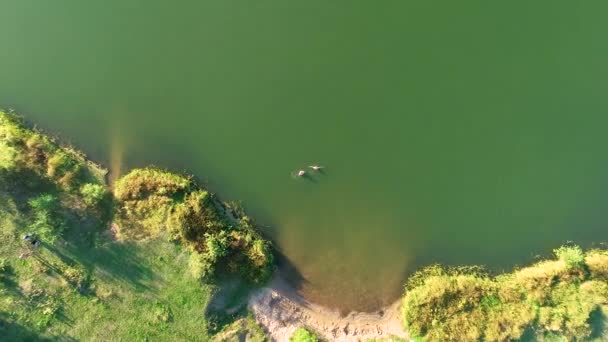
x=452 y=132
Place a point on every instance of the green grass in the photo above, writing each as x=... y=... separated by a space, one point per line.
x=107 y=291
x=565 y=298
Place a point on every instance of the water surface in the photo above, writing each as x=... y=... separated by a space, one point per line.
x=453 y=132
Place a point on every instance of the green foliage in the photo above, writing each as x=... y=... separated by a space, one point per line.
x=4 y=265
x=200 y=268
x=64 y=167
x=142 y=183
x=93 y=194
x=153 y=202
x=44 y=203
x=552 y=299
x=259 y=255
x=8 y=156
x=44 y=218
x=75 y=276
x=196 y=218
x=217 y=245
x=31 y=158
x=303 y=335
x=573 y=256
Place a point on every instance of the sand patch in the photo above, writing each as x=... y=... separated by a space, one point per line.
x=281 y=310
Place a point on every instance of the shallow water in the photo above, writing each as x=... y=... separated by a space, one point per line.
x=451 y=132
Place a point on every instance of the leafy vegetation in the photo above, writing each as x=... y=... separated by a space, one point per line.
x=93 y=194
x=242 y=329
x=303 y=335
x=152 y=202
x=552 y=300
x=35 y=161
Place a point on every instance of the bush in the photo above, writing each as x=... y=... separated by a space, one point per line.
x=573 y=256
x=25 y=152
x=75 y=276
x=8 y=156
x=551 y=298
x=44 y=218
x=260 y=258
x=216 y=246
x=196 y=218
x=199 y=266
x=147 y=200
x=152 y=202
x=141 y=183
x=303 y=335
x=92 y=194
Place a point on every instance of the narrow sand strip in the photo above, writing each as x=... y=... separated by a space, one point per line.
x=280 y=310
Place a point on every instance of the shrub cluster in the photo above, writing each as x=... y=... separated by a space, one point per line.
x=303 y=335
x=152 y=202
x=33 y=160
x=551 y=299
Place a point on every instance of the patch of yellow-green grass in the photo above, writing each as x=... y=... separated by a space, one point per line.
x=563 y=298
x=597 y=263
x=394 y=339
x=303 y=335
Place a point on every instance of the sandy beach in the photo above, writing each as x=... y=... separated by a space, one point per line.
x=281 y=310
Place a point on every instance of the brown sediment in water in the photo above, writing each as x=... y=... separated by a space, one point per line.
x=280 y=309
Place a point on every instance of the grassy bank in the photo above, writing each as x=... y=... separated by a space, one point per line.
x=135 y=263
x=564 y=299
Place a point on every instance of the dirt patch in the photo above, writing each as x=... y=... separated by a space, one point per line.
x=281 y=310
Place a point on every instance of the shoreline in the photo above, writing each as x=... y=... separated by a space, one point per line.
x=56 y=193
x=280 y=310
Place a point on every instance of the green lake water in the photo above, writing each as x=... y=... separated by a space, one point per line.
x=452 y=131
